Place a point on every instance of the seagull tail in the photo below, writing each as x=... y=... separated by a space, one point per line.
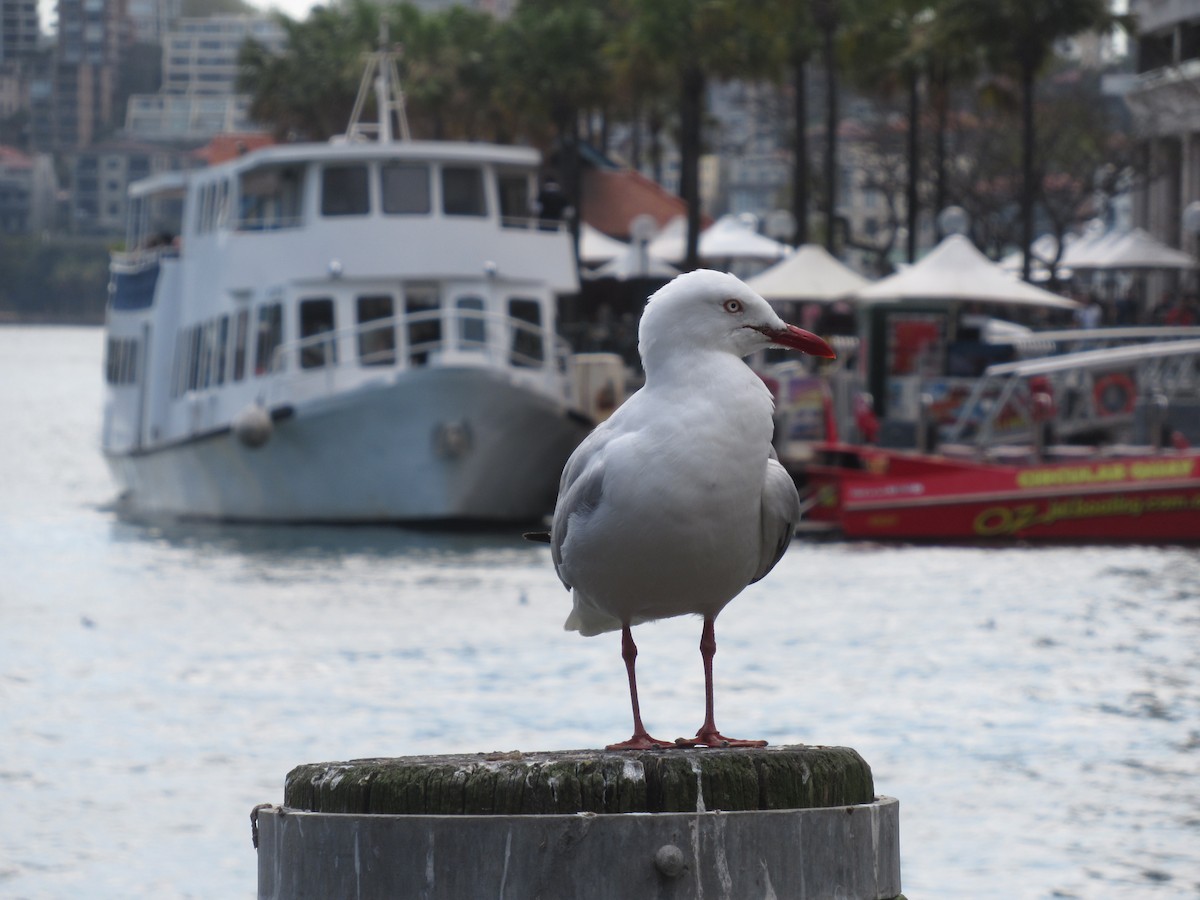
x=589 y=622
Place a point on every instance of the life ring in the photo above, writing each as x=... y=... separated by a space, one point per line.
x=1114 y=394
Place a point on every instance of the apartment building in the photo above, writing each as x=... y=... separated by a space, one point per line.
x=198 y=97
x=1164 y=99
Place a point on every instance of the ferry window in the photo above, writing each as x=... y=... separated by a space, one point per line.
x=185 y=361
x=110 y=361
x=201 y=205
x=129 y=369
x=222 y=348
x=270 y=198
x=344 y=191
x=423 y=310
x=269 y=336
x=472 y=328
x=514 y=199
x=462 y=191
x=317 y=348
x=376 y=344
x=120 y=365
x=221 y=213
x=208 y=212
x=527 y=347
x=206 y=354
x=178 y=365
x=194 y=358
x=405 y=189
x=240 y=330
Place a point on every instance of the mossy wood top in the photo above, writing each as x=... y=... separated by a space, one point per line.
x=596 y=781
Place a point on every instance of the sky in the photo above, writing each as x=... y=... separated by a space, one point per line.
x=297 y=9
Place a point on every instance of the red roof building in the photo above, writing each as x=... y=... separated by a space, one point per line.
x=612 y=198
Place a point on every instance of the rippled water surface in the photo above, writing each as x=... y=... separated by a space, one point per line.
x=1036 y=711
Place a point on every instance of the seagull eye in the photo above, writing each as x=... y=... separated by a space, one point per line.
x=733 y=306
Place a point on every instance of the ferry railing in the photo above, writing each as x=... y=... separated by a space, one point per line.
x=527 y=350
x=532 y=223
x=141 y=257
x=262 y=222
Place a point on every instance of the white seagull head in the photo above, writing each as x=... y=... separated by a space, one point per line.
x=707 y=310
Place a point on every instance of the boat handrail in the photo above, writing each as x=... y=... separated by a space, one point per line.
x=267 y=223
x=129 y=261
x=1158 y=367
x=1100 y=335
x=497 y=350
x=1093 y=359
x=532 y=223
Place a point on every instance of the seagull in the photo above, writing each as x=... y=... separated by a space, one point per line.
x=677 y=502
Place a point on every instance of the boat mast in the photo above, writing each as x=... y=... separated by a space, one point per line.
x=382 y=75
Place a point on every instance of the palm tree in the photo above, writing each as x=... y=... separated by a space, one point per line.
x=695 y=40
x=308 y=90
x=788 y=31
x=828 y=20
x=554 y=69
x=449 y=69
x=642 y=90
x=1019 y=36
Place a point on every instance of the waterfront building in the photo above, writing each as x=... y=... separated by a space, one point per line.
x=19 y=30
x=1164 y=99
x=100 y=177
x=150 y=20
x=27 y=191
x=72 y=99
x=198 y=97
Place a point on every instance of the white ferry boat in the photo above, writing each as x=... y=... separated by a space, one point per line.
x=358 y=331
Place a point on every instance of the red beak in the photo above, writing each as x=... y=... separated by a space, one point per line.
x=799 y=339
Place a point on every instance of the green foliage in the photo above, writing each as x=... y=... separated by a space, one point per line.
x=307 y=92
x=450 y=72
x=53 y=280
x=1022 y=33
x=553 y=63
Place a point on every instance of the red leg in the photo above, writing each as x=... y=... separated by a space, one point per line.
x=708 y=736
x=640 y=740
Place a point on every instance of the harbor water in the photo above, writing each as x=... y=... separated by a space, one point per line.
x=1035 y=710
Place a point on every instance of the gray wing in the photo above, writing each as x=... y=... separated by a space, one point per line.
x=780 y=515
x=579 y=491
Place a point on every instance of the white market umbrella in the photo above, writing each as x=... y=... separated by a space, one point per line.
x=956 y=270
x=730 y=238
x=634 y=262
x=809 y=274
x=670 y=244
x=1138 y=249
x=596 y=247
x=1044 y=247
x=1091 y=251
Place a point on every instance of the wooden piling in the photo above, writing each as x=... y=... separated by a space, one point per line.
x=795 y=822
